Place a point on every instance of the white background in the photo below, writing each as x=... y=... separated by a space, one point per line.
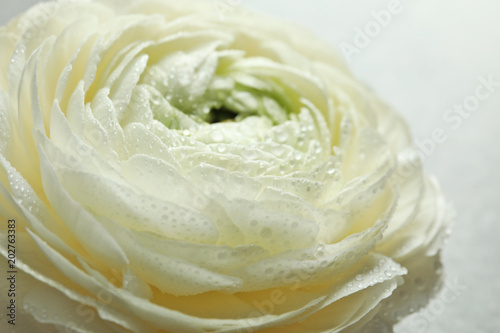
x=427 y=59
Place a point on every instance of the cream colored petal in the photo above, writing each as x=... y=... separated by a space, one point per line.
x=7 y=45
x=87 y=230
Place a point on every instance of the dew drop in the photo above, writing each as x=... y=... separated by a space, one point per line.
x=330 y=168
x=278 y=150
x=250 y=154
x=266 y=232
x=419 y=284
x=221 y=148
x=217 y=136
x=281 y=136
x=269 y=271
x=298 y=155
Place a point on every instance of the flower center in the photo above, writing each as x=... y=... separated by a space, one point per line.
x=221 y=114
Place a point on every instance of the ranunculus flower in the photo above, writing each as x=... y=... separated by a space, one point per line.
x=169 y=171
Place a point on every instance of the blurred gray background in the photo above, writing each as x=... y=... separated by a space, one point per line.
x=428 y=59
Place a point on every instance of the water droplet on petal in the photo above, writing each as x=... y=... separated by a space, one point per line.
x=217 y=136
x=266 y=232
x=298 y=155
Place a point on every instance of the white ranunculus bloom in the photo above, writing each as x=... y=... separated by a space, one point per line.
x=169 y=171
